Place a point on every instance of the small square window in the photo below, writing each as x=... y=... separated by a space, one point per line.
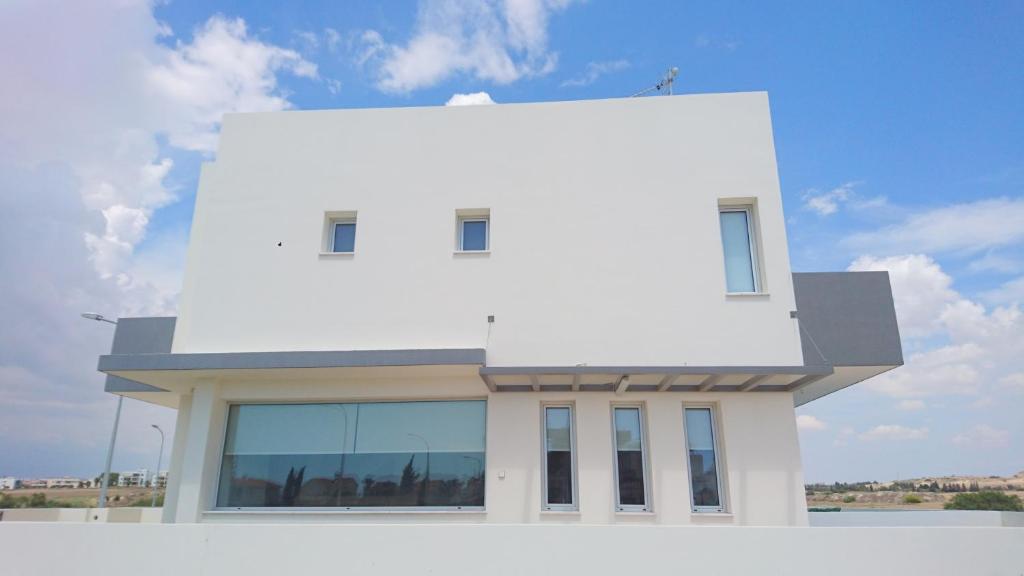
x=339 y=233
x=473 y=234
x=344 y=236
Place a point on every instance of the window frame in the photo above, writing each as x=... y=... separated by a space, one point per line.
x=645 y=462
x=545 y=505
x=719 y=472
x=212 y=496
x=463 y=220
x=752 y=246
x=335 y=222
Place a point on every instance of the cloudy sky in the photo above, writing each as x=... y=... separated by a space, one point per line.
x=899 y=130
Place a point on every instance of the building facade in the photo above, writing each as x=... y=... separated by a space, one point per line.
x=576 y=312
x=9 y=483
x=138 y=477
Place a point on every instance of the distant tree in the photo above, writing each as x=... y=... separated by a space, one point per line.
x=987 y=500
x=37 y=500
x=975 y=487
x=912 y=499
x=934 y=486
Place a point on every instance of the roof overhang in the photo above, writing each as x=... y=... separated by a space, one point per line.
x=623 y=379
x=847 y=325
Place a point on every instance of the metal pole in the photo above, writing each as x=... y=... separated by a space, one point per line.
x=159 y=461
x=110 y=455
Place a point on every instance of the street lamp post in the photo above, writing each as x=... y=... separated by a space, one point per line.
x=102 y=503
x=159 y=461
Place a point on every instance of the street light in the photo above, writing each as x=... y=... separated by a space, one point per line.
x=159 y=461
x=102 y=503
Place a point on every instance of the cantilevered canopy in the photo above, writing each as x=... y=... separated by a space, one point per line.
x=652 y=378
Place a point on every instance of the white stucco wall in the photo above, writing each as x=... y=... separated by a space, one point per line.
x=605 y=241
x=760 y=456
x=29 y=549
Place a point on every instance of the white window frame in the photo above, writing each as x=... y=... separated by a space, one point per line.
x=752 y=245
x=487 y=232
x=646 y=506
x=575 y=506
x=719 y=472
x=334 y=231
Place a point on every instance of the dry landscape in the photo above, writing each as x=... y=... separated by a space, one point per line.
x=87 y=497
x=882 y=496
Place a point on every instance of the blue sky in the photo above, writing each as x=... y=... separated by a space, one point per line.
x=899 y=130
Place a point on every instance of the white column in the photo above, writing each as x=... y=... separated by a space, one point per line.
x=200 y=458
x=177 y=454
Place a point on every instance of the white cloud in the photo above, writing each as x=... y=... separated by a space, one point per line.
x=982 y=436
x=981 y=346
x=1013 y=382
x=1007 y=293
x=499 y=42
x=473 y=99
x=995 y=262
x=843 y=438
x=828 y=203
x=959 y=228
x=894 y=432
x=714 y=41
x=808 y=422
x=911 y=405
x=223 y=69
x=921 y=290
x=594 y=71
x=83 y=174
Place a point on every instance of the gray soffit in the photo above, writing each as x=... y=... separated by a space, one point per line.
x=651 y=378
x=847 y=319
x=117 y=384
x=271 y=360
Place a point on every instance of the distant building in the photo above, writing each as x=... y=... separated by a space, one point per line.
x=133 y=478
x=161 y=479
x=33 y=484
x=64 y=482
x=9 y=483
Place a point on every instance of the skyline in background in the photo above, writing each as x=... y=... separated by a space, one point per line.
x=897 y=130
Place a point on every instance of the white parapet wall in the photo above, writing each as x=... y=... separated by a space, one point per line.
x=124 y=515
x=29 y=549
x=853 y=518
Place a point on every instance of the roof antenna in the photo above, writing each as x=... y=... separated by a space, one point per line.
x=665 y=82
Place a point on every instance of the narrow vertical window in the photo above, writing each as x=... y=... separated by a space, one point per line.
x=740 y=253
x=559 y=473
x=630 y=465
x=473 y=234
x=705 y=484
x=344 y=236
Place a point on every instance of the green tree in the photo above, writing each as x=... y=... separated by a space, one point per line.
x=987 y=500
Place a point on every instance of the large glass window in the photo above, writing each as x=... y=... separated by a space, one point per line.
x=630 y=465
x=738 y=246
x=559 y=442
x=384 y=454
x=700 y=440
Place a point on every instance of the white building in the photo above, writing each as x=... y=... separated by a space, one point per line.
x=64 y=482
x=138 y=477
x=9 y=483
x=573 y=312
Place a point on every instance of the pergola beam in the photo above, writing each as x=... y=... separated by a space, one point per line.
x=709 y=382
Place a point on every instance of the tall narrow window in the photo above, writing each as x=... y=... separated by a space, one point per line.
x=739 y=249
x=473 y=234
x=630 y=465
x=559 y=474
x=343 y=235
x=705 y=484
